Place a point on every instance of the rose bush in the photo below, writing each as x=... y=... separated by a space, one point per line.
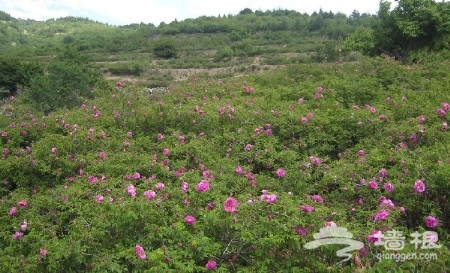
x=231 y=175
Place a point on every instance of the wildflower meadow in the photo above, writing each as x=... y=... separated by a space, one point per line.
x=233 y=174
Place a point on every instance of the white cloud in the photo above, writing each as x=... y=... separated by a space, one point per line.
x=156 y=11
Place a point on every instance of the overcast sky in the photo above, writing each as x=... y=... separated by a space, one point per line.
x=117 y=12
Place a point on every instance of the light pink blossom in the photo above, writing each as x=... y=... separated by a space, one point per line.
x=280 y=172
x=131 y=190
x=184 y=186
x=12 y=211
x=17 y=235
x=98 y=198
x=150 y=194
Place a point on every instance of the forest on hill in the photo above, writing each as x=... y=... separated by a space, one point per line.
x=267 y=141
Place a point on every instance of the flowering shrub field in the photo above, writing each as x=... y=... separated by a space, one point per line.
x=233 y=174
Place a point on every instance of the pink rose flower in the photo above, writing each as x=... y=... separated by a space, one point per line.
x=139 y=251
x=190 y=220
x=210 y=265
x=230 y=205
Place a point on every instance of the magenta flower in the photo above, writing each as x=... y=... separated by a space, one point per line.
x=380 y=215
x=102 y=154
x=136 y=175
x=12 y=211
x=129 y=134
x=22 y=203
x=166 y=151
x=419 y=186
x=446 y=106
x=17 y=235
x=43 y=252
x=280 y=172
x=387 y=203
x=160 y=136
x=150 y=194
x=54 y=150
x=317 y=198
x=421 y=119
x=382 y=172
x=440 y=112
x=373 y=184
x=248 y=147
x=230 y=205
x=190 y=220
x=375 y=236
x=98 y=198
x=388 y=187
x=24 y=225
x=315 y=160
x=239 y=170
x=184 y=186
x=207 y=175
x=92 y=179
x=131 y=190
x=330 y=224
x=139 y=251
x=160 y=186
x=431 y=222
x=210 y=265
x=307 y=209
x=268 y=198
x=202 y=186
x=304 y=120
x=300 y=230
x=361 y=153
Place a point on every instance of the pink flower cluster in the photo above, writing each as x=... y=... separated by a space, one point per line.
x=268 y=198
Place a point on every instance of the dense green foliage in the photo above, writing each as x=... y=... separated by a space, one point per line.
x=411 y=25
x=232 y=171
x=91 y=177
x=15 y=74
x=165 y=48
x=69 y=80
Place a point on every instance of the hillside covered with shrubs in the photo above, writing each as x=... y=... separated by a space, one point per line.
x=244 y=171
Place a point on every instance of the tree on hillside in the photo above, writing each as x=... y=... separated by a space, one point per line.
x=165 y=48
x=411 y=25
x=69 y=80
x=15 y=74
